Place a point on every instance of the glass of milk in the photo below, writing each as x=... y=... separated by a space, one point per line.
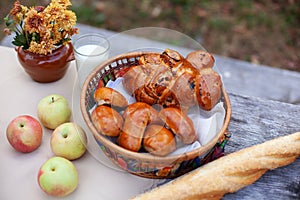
x=89 y=50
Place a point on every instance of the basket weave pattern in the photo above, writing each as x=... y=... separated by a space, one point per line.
x=138 y=163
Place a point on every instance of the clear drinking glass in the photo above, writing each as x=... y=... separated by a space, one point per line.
x=89 y=50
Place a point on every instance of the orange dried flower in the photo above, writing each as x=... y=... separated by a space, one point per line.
x=33 y=22
x=41 y=29
x=16 y=8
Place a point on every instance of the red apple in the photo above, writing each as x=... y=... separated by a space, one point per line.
x=24 y=133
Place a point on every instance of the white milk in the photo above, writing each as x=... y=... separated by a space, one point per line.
x=87 y=58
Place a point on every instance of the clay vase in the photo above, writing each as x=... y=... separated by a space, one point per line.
x=46 y=68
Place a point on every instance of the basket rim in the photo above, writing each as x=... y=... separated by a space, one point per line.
x=143 y=156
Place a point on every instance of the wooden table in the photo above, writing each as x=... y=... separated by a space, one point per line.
x=239 y=77
x=253 y=121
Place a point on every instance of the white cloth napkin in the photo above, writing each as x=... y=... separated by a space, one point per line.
x=207 y=123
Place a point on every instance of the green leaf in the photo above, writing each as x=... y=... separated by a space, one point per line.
x=9 y=22
x=5 y=18
x=62 y=41
x=34 y=37
x=20 y=40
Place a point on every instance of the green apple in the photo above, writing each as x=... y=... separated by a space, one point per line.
x=68 y=140
x=24 y=133
x=53 y=110
x=58 y=177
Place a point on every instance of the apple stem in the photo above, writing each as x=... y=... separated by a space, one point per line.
x=52 y=99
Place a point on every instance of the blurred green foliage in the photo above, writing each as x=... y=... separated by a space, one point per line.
x=263 y=31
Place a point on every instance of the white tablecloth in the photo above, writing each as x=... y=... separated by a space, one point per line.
x=18 y=171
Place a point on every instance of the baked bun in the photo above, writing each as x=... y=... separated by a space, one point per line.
x=170 y=80
x=208 y=88
x=180 y=124
x=107 y=120
x=201 y=59
x=158 y=140
x=105 y=95
x=136 y=118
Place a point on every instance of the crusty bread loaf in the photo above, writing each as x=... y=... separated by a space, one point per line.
x=231 y=172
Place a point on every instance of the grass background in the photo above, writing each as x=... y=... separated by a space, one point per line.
x=259 y=31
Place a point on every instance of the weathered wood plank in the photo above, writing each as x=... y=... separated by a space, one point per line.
x=262 y=81
x=238 y=76
x=254 y=121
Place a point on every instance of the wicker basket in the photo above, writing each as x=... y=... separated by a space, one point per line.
x=146 y=165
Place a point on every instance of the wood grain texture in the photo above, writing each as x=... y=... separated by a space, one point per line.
x=261 y=81
x=254 y=121
x=230 y=173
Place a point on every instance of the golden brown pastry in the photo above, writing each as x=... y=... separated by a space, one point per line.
x=231 y=172
x=136 y=118
x=107 y=120
x=184 y=92
x=180 y=124
x=170 y=80
x=201 y=59
x=135 y=77
x=139 y=111
x=208 y=88
x=105 y=95
x=131 y=140
x=158 y=140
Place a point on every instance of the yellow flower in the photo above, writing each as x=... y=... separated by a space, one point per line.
x=39 y=29
x=41 y=48
x=63 y=3
x=69 y=20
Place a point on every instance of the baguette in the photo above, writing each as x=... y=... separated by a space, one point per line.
x=229 y=173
